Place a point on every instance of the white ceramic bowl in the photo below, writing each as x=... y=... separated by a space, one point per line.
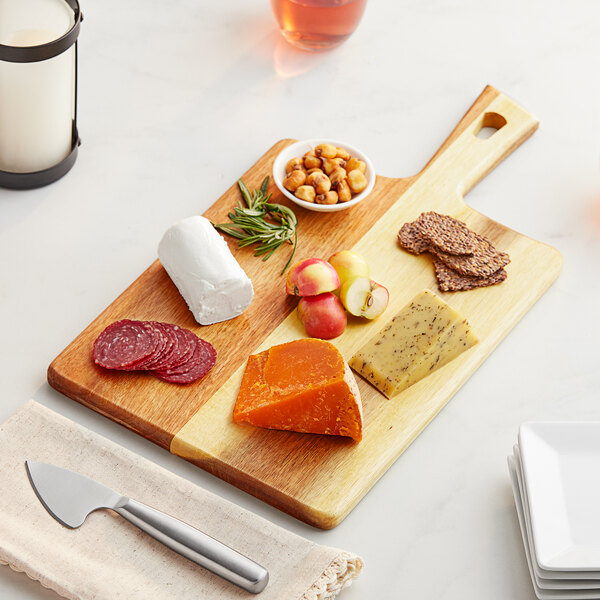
x=299 y=149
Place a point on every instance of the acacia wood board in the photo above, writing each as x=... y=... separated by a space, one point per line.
x=319 y=479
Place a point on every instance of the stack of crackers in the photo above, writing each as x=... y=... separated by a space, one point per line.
x=462 y=259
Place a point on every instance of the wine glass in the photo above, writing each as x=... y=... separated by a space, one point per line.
x=318 y=25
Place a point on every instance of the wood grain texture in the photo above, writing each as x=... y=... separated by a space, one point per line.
x=319 y=479
x=158 y=410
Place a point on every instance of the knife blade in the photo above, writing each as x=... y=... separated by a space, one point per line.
x=70 y=497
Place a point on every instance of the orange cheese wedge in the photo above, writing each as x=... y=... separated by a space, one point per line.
x=304 y=386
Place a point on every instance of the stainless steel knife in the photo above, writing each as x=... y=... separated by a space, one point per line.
x=70 y=497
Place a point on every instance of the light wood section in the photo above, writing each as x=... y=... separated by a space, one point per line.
x=319 y=479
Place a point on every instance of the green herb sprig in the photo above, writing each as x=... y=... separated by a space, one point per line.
x=260 y=222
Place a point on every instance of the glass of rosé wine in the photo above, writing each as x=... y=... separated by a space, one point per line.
x=318 y=25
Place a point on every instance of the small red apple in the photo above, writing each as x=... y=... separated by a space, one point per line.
x=311 y=277
x=323 y=316
x=349 y=265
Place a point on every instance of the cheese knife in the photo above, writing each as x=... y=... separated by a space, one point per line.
x=70 y=497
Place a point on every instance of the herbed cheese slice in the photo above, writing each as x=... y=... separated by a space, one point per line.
x=304 y=386
x=453 y=341
x=424 y=336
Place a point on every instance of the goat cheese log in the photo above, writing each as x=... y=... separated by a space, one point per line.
x=205 y=272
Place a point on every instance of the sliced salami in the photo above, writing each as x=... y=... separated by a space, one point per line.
x=165 y=354
x=192 y=375
x=186 y=365
x=124 y=343
x=158 y=350
x=169 y=352
x=186 y=344
x=198 y=366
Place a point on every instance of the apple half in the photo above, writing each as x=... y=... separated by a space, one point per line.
x=363 y=297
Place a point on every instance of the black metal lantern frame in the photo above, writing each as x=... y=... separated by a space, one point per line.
x=29 y=54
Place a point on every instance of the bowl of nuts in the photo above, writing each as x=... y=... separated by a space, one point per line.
x=323 y=175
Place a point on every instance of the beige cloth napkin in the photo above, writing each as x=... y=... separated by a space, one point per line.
x=108 y=559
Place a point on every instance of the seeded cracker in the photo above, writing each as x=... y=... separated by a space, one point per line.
x=448 y=234
x=411 y=239
x=484 y=261
x=451 y=281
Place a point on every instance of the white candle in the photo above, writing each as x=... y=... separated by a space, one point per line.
x=36 y=99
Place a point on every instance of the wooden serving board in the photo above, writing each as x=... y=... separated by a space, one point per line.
x=319 y=479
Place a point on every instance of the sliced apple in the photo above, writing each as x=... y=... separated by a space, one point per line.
x=363 y=297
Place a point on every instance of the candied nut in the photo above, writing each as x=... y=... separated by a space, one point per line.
x=337 y=175
x=294 y=180
x=320 y=182
x=315 y=170
x=357 y=181
x=355 y=163
x=310 y=178
x=343 y=190
x=328 y=198
x=343 y=154
x=331 y=164
x=326 y=150
x=311 y=161
x=306 y=192
x=293 y=164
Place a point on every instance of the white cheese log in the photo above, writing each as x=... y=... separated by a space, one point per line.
x=205 y=272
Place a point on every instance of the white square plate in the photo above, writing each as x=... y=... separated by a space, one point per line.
x=552 y=580
x=572 y=593
x=561 y=471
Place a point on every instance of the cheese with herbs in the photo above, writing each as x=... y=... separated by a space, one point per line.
x=424 y=336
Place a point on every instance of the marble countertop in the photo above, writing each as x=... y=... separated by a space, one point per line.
x=178 y=99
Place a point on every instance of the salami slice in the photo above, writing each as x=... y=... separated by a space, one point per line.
x=141 y=365
x=124 y=343
x=165 y=353
x=186 y=344
x=198 y=366
x=186 y=365
x=169 y=352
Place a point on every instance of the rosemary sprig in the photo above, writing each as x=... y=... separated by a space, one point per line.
x=260 y=222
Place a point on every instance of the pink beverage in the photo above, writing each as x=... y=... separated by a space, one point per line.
x=318 y=24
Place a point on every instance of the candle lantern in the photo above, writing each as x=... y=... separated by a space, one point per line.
x=38 y=91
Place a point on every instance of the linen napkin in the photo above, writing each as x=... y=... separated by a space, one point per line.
x=107 y=558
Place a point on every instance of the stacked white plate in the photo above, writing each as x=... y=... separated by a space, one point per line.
x=555 y=473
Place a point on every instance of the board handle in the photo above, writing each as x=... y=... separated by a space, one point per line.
x=467 y=156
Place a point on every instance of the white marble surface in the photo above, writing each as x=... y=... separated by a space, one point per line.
x=178 y=98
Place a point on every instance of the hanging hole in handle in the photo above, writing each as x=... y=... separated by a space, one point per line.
x=490 y=123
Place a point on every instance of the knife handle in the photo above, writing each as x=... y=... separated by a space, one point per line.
x=196 y=546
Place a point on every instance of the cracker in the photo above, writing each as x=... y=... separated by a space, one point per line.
x=448 y=234
x=410 y=238
x=451 y=281
x=484 y=261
